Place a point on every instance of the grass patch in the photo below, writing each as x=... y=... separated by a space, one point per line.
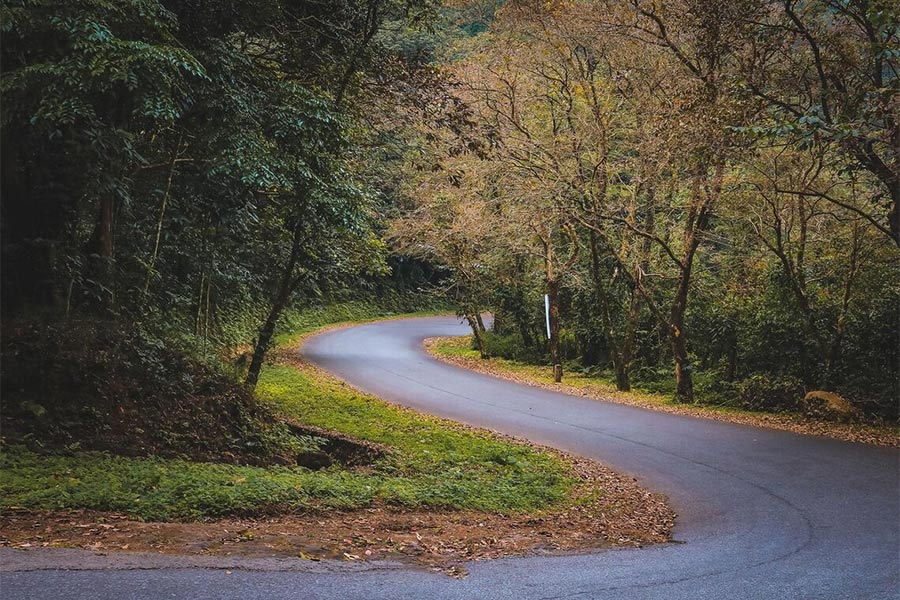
x=433 y=463
x=587 y=380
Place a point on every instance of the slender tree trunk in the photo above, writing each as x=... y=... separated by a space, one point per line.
x=833 y=359
x=621 y=348
x=206 y=315
x=480 y=322
x=159 y=222
x=264 y=340
x=372 y=20
x=107 y=210
x=199 y=305
x=286 y=288
x=472 y=320
x=105 y=233
x=623 y=384
x=703 y=198
x=525 y=332
x=626 y=351
x=731 y=368
x=684 y=384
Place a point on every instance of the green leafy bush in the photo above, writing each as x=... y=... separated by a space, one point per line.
x=772 y=394
x=512 y=347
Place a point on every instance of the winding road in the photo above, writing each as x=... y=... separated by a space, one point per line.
x=762 y=513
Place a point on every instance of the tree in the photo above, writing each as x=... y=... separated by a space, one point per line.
x=186 y=164
x=827 y=73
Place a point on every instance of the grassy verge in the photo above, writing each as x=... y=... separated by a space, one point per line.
x=459 y=351
x=432 y=464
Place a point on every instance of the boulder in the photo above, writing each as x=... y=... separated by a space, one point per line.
x=827 y=406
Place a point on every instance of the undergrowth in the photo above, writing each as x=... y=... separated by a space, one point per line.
x=431 y=463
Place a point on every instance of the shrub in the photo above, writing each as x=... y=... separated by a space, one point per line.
x=772 y=394
x=113 y=386
x=511 y=347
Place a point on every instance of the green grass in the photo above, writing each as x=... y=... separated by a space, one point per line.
x=433 y=463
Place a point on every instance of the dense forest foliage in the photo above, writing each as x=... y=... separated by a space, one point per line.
x=189 y=164
x=177 y=175
x=708 y=192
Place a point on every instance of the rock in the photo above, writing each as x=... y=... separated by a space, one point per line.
x=284 y=461
x=314 y=460
x=828 y=406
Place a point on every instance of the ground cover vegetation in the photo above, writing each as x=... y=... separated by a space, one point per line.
x=706 y=192
x=385 y=482
x=406 y=460
x=812 y=415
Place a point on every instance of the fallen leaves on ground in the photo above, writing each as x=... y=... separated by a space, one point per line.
x=608 y=510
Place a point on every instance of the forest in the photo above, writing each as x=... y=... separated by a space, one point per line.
x=707 y=192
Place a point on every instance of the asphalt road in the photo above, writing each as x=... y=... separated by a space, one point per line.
x=762 y=513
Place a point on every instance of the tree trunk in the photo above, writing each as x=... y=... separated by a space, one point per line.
x=684 y=384
x=626 y=351
x=480 y=322
x=525 y=332
x=473 y=321
x=553 y=293
x=621 y=348
x=159 y=222
x=623 y=384
x=264 y=340
x=105 y=232
x=107 y=208
x=731 y=368
x=833 y=358
x=286 y=288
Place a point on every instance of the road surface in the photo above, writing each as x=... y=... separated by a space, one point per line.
x=762 y=513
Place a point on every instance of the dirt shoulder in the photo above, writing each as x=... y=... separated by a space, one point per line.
x=583 y=386
x=610 y=510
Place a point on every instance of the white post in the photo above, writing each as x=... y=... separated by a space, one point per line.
x=547 y=312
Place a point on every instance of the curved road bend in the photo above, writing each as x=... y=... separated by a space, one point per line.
x=762 y=513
